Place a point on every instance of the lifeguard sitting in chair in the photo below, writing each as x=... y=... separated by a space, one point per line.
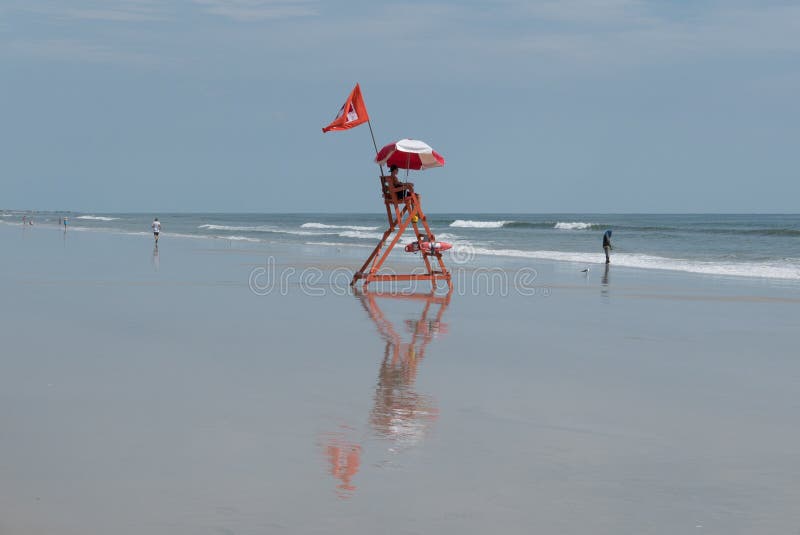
x=395 y=189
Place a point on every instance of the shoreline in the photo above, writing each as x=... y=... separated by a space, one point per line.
x=483 y=259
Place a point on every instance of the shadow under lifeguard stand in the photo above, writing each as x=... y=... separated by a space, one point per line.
x=403 y=210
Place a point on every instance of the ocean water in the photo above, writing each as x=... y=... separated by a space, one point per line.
x=737 y=245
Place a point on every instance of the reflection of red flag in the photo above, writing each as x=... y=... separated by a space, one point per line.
x=352 y=113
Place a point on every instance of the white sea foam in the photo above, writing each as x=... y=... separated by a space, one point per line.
x=97 y=218
x=345 y=227
x=573 y=225
x=332 y=230
x=446 y=236
x=303 y=232
x=338 y=244
x=120 y=232
x=229 y=227
x=360 y=234
x=404 y=240
x=264 y=229
x=466 y=223
x=777 y=270
x=239 y=238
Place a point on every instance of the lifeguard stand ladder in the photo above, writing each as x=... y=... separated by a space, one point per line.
x=402 y=209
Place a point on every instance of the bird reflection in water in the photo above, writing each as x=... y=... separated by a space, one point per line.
x=399 y=413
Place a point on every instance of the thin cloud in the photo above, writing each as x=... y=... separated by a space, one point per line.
x=255 y=10
x=120 y=11
x=624 y=31
x=594 y=12
x=115 y=15
x=71 y=50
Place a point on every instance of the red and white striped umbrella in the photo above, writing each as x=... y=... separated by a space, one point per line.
x=409 y=154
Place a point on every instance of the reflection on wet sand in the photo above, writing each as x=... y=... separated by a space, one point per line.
x=399 y=413
x=344 y=458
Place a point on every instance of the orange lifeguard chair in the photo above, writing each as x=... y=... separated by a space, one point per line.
x=403 y=210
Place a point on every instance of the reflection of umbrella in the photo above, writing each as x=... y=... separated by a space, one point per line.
x=409 y=154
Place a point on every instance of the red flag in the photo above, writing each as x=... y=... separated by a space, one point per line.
x=352 y=113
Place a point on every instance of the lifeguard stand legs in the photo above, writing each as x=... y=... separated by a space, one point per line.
x=402 y=212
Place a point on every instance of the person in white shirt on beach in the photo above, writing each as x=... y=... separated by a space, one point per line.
x=156 y=229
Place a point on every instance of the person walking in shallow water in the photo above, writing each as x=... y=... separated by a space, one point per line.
x=607 y=245
x=156 y=229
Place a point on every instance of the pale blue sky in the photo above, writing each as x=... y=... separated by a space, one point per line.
x=538 y=106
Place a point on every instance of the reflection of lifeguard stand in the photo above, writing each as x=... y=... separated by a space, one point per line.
x=423 y=330
x=402 y=209
x=399 y=412
x=344 y=458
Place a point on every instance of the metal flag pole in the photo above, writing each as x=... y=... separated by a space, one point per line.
x=369 y=123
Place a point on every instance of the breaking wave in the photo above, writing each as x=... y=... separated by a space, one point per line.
x=239 y=238
x=262 y=228
x=97 y=218
x=560 y=225
x=466 y=223
x=229 y=227
x=344 y=227
x=360 y=234
x=768 y=270
x=574 y=225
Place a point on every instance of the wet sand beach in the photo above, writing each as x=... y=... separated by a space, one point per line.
x=188 y=390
